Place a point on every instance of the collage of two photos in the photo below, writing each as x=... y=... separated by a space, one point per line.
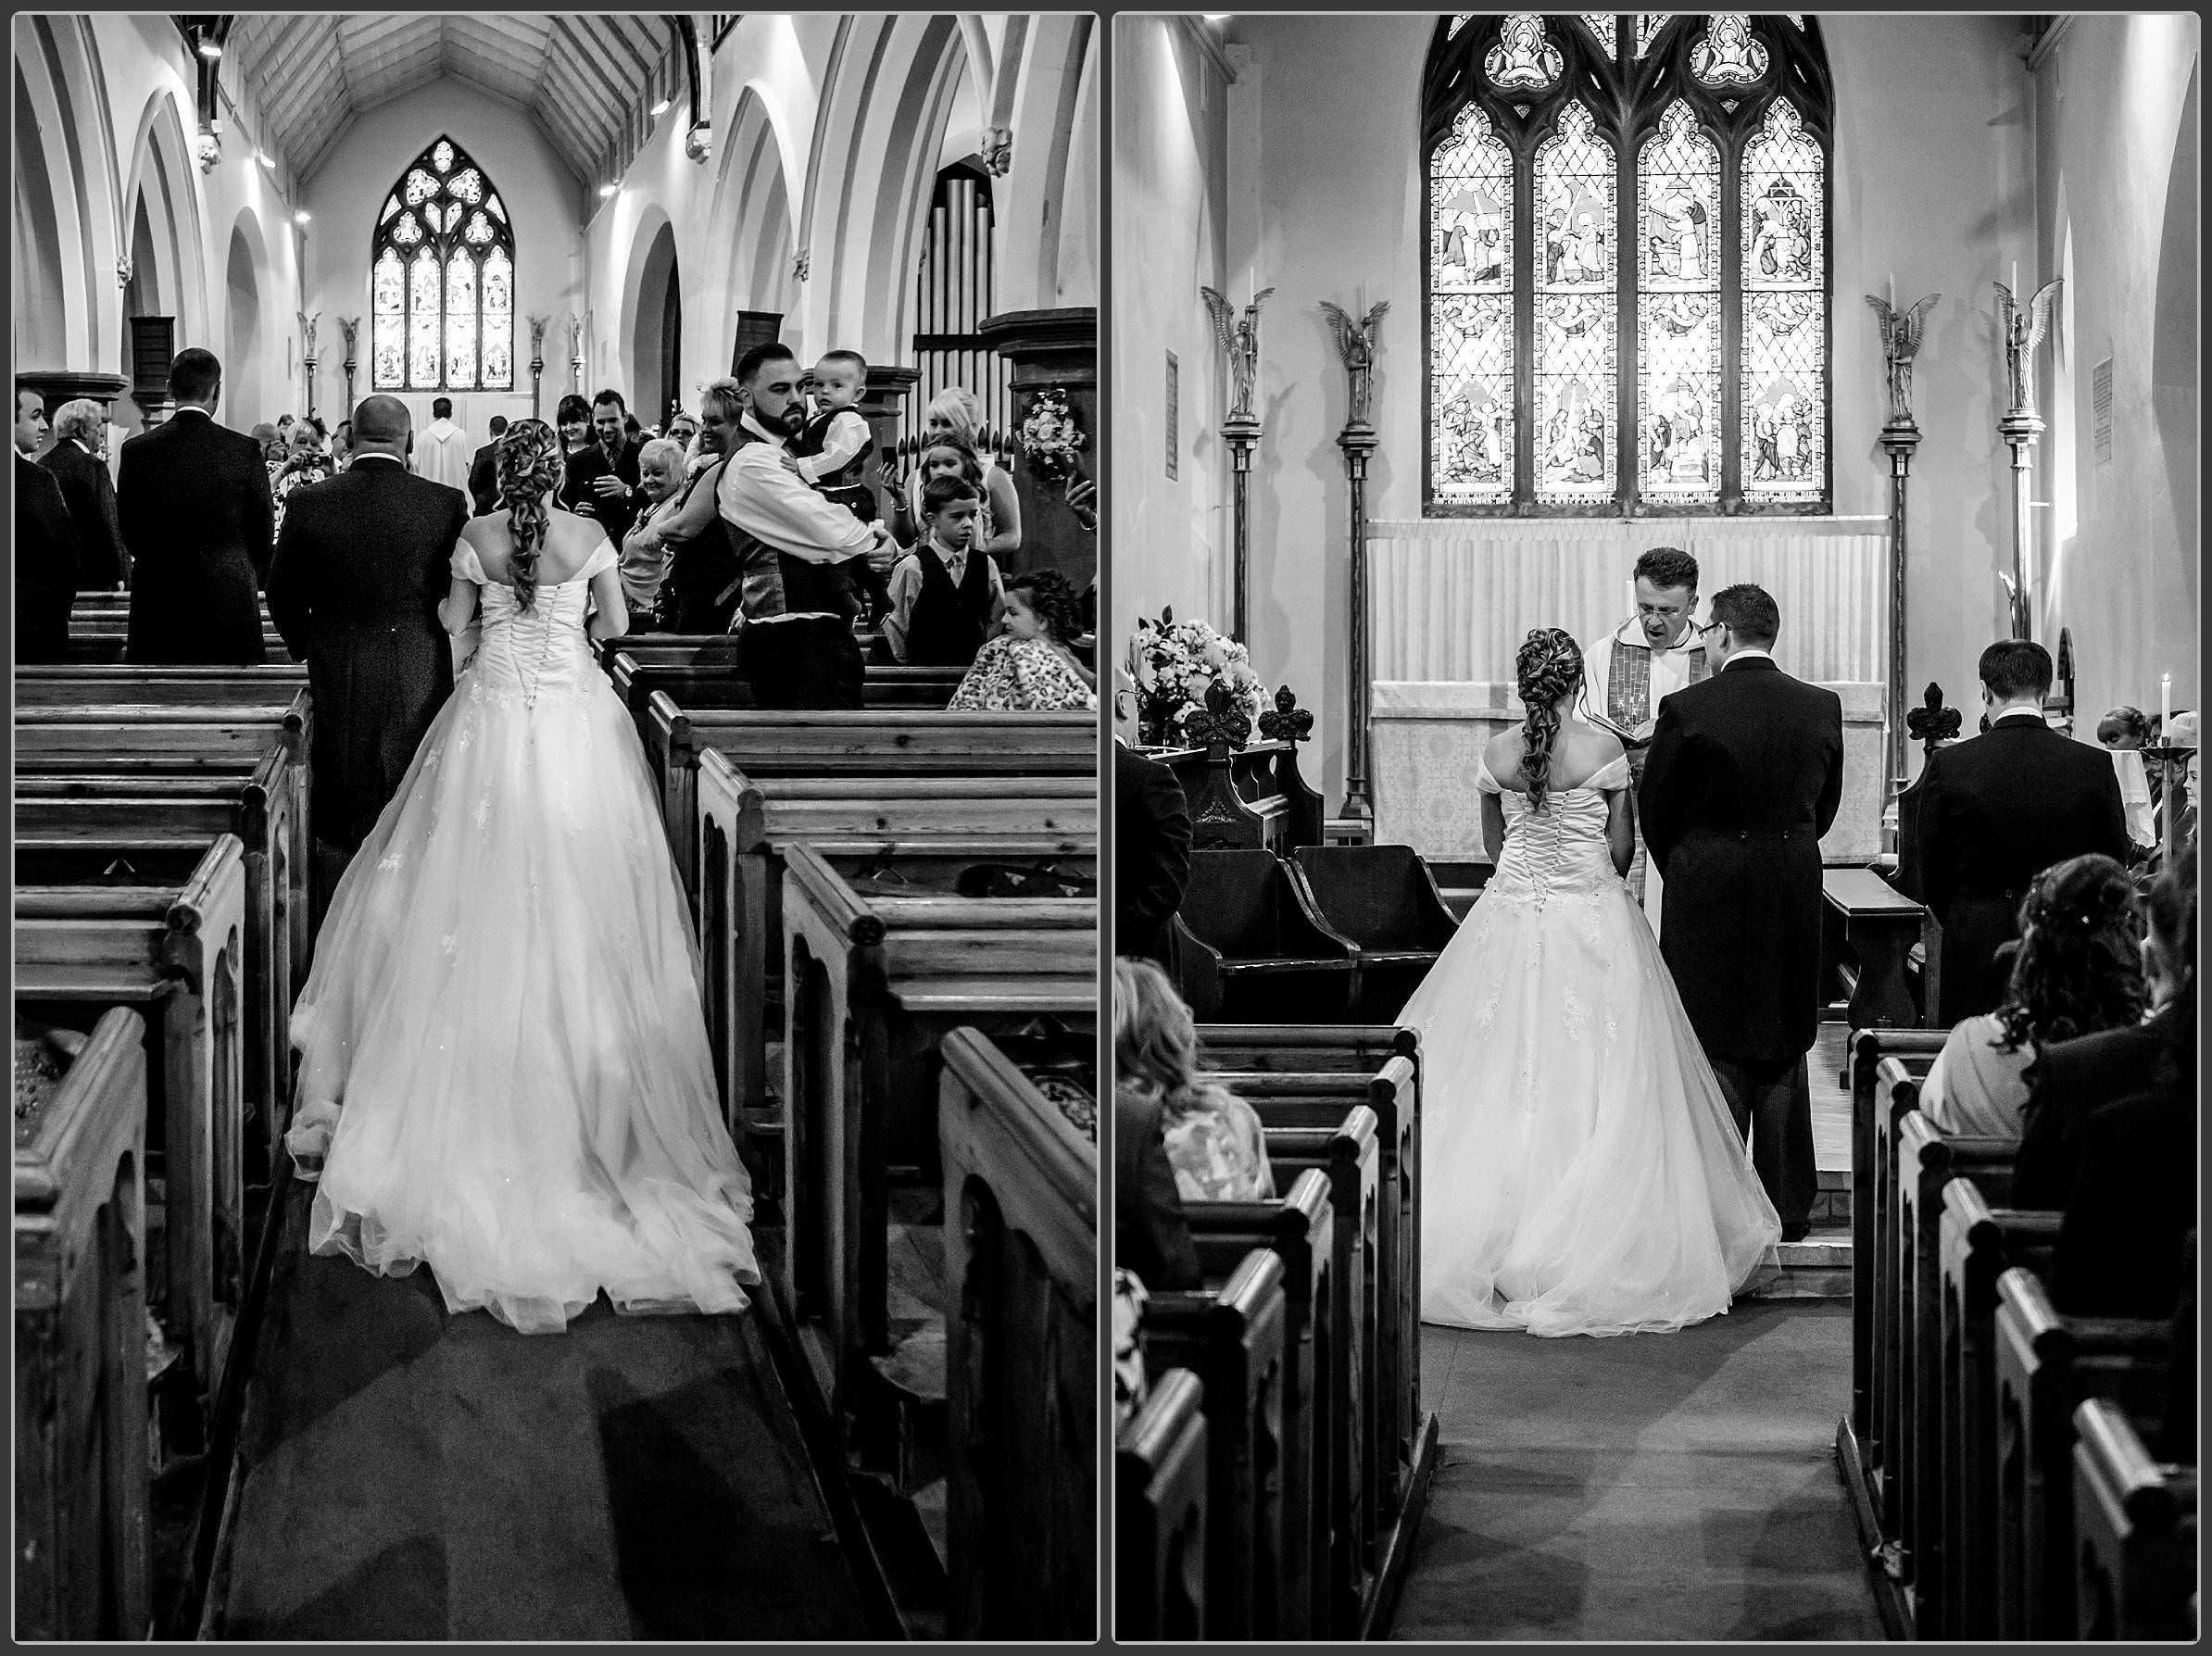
x=652 y=650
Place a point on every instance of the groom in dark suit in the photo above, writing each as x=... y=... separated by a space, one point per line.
x=1744 y=776
x=361 y=566
x=193 y=499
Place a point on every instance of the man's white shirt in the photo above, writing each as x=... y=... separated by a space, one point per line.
x=767 y=500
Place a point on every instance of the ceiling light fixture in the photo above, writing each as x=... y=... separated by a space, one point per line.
x=609 y=189
x=210 y=47
x=266 y=159
x=302 y=216
x=661 y=107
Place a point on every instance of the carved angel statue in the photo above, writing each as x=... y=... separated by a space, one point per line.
x=1355 y=343
x=351 y=328
x=2024 y=329
x=307 y=324
x=1240 y=339
x=1900 y=344
x=537 y=339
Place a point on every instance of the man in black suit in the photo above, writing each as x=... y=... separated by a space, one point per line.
x=483 y=470
x=1992 y=813
x=193 y=500
x=45 y=553
x=361 y=566
x=1744 y=775
x=79 y=466
x=1151 y=845
x=602 y=480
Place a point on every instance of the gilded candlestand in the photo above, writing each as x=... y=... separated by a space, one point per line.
x=2021 y=426
x=1900 y=344
x=1358 y=441
x=1241 y=431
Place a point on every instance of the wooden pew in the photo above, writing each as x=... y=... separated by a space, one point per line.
x=1246 y=798
x=1981 y=1240
x=82 y=1564
x=69 y=841
x=1926 y=1162
x=158 y=741
x=905 y=823
x=75 y=686
x=1298 y=1226
x=1350 y=1157
x=2135 y=1522
x=1160 y=1467
x=868 y=743
x=1874 y=1114
x=1232 y=1339
x=697 y=678
x=1881 y=924
x=1248 y=939
x=2047 y=1366
x=872 y=984
x=1897 y=1095
x=175 y=954
x=1385 y=899
x=1021 y=1240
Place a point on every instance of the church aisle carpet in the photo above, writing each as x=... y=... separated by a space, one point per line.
x=1654 y=1487
x=415 y=1476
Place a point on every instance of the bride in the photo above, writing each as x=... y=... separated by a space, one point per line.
x=504 y=1069
x=1582 y=1173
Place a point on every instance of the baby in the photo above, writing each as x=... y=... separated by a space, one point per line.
x=835 y=443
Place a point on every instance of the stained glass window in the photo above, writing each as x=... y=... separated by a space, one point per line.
x=442 y=280
x=1626 y=265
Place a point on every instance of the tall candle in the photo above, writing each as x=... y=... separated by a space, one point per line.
x=2166 y=703
x=2015 y=278
x=1893 y=290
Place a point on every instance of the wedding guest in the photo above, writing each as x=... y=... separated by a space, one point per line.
x=1993 y=812
x=2124 y=727
x=946 y=595
x=2075 y=970
x=442 y=451
x=1151 y=841
x=305 y=464
x=1214 y=1141
x=483 y=480
x=645 y=554
x=947 y=456
x=192 y=499
x=602 y=476
x=46 y=560
x=1130 y=1387
x=956 y=413
x=31 y=421
x=835 y=443
x=683 y=430
x=698 y=592
x=1151 y=1234
x=1032 y=665
x=2079 y=1077
x=342 y=444
x=79 y=464
x=572 y=418
x=272 y=444
x=789 y=546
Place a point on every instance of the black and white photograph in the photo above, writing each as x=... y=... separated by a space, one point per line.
x=557 y=795
x=1654 y=616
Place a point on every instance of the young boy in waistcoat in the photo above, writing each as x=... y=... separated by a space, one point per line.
x=946 y=598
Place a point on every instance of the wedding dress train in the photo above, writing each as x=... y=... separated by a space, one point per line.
x=504 y=1064
x=1580 y=1171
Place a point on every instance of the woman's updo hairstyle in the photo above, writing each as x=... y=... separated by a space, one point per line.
x=528 y=467
x=1549 y=667
x=2077 y=966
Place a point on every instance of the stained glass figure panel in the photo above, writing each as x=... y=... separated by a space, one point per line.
x=468 y=184
x=408 y=231
x=1471 y=377
x=440 y=157
x=460 y=322
x=1678 y=309
x=1523 y=59
x=1784 y=434
x=1605 y=29
x=1577 y=357
x=1648 y=25
x=420 y=187
x=1728 y=56
x=443 y=280
x=1470 y=193
x=388 y=364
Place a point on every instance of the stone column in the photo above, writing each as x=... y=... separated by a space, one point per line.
x=1053 y=350
x=886 y=389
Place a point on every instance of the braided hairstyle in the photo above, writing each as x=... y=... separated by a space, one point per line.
x=1052 y=600
x=1549 y=667
x=528 y=467
x=2077 y=968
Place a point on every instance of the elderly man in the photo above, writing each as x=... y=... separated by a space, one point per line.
x=78 y=463
x=1649 y=656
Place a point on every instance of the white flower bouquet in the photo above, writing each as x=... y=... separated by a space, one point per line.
x=1050 y=438
x=1193 y=685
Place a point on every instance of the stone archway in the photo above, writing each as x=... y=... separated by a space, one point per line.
x=40 y=320
x=655 y=302
x=243 y=368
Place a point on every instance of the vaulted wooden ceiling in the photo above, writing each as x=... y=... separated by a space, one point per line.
x=586 y=79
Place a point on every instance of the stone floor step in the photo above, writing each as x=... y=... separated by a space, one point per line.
x=1817 y=1268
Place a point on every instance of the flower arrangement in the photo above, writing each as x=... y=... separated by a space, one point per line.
x=1187 y=676
x=1051 y=437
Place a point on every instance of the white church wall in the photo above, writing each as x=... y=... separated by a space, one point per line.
x=545 y=202
x=1932 y=180
x=2117 y=182
x=1171 y=534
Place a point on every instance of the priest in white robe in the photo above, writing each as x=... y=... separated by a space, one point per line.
x=1647 y=658
x=442 y=452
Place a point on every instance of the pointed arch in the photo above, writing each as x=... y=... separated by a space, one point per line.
x=442 y=278
x=164 y=186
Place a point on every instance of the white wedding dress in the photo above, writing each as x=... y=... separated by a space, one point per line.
x=1580 y=1171
x=504 y=1064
